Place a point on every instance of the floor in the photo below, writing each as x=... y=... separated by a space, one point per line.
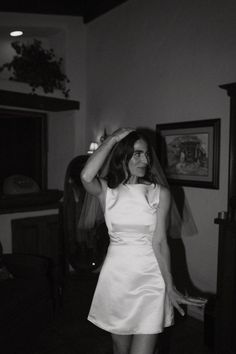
x=71 y=333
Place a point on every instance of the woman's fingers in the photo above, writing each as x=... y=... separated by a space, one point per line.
x=194 y=301
x=198 y=300
x=121 y=133
x=177 y=298
x=178 y=308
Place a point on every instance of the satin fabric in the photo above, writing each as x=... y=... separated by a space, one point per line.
x=130 y=297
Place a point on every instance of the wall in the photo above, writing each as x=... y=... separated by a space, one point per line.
x=163 y=61
x=148 y=65
x=67 y=36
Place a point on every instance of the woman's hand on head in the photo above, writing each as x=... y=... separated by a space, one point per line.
x=177 y=299
x=121 y=133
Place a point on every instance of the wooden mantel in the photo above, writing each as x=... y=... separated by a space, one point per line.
x=37 y=102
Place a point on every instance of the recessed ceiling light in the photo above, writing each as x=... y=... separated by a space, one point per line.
x=16 y=33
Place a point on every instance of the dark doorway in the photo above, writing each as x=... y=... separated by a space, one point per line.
x=23 y=146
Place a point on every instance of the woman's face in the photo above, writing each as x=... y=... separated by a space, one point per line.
x=139 y=161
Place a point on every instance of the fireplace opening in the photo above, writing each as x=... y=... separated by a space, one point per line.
x=23 y=147
x=23 y=159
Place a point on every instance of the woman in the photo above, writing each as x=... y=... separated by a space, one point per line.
x=135 y=295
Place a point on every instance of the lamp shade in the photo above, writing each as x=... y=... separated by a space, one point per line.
x=92 y=147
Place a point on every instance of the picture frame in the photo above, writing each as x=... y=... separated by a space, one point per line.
x=189 y=152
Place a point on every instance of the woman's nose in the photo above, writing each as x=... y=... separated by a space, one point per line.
x=144 y=159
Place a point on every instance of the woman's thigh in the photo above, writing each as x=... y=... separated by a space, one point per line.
x=121 y=343
x=143 y=344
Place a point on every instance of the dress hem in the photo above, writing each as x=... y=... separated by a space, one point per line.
x=128 y=332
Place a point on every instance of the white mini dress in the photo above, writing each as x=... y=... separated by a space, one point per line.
x=130 y=297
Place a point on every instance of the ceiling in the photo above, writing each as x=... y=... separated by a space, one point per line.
x=88 y=9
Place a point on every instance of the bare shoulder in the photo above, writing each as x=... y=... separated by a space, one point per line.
x=164 y=191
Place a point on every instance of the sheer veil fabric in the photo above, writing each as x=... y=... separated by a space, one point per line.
x=180 y=224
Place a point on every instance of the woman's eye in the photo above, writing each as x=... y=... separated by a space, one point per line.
x=136 y=154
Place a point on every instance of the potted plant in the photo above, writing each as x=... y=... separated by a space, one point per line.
x=38 y=67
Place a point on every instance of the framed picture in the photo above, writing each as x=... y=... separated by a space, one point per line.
x=189 y=152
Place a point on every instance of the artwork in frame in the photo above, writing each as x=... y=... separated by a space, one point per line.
x=189 y=152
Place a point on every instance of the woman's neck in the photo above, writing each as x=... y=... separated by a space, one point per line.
x=137 y=180
x=133 y=180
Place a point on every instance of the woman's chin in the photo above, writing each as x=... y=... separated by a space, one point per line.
x=141 y=173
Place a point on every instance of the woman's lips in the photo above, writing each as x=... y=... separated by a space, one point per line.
x=143 y=169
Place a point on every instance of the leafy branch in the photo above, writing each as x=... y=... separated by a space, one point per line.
x=38 y=67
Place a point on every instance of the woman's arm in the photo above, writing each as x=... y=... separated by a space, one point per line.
x=160 y=245
x=161 y=250
x=88 y=175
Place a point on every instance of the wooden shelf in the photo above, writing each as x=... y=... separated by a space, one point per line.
x=30 y=208
x=31 y=101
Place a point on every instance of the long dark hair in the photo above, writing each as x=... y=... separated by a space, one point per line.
x=122 y=153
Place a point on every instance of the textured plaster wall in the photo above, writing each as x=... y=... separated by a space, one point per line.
x=161 y=62
x=67 y=36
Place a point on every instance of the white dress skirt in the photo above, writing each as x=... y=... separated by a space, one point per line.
x=130 y=297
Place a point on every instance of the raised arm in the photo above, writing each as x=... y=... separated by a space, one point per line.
x=91 y=182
